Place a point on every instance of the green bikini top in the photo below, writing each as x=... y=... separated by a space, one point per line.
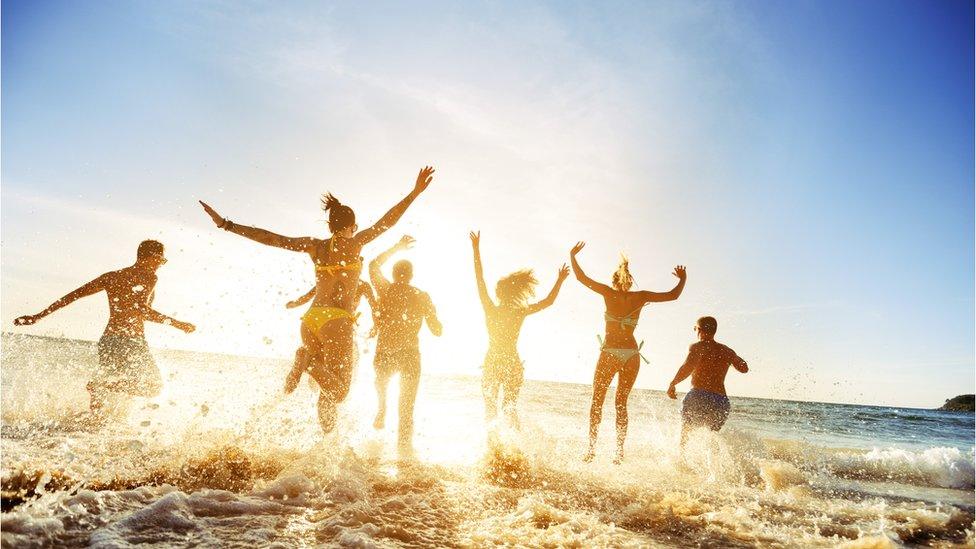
x=624 y=321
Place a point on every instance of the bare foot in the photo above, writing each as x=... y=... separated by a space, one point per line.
x=590 y=454
x=619 y=458
x=380 y=421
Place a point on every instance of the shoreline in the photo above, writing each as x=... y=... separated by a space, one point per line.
x=469 y=376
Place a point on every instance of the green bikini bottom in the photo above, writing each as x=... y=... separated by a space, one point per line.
x=623 y=355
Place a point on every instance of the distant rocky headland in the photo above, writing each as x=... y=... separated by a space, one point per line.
x=961 y=403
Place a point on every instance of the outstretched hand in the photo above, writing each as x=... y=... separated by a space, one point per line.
x=406 y=242
x=563 y=273
x=576 y=249
x=475 y=238
x=185 y=326
x=424 y=178
x=672 y=393
x=26 y=320
x=680 y=272
x=217 y=219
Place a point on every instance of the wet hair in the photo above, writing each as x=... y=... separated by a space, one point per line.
x=517 y=287
x=149 y=248
x=708 y=325
x=340 y=215
x=622 y=276
x=402 y=271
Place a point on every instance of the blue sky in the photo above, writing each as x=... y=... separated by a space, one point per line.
x=811 y=163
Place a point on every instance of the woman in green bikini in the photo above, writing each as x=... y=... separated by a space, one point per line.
x=619 y=351
x=327 y=350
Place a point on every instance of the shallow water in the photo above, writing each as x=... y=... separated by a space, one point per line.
x=222 y=459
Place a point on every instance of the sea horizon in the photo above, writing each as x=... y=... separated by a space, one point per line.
x=528 y=376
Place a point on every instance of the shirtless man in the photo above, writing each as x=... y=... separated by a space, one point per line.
x=402 y=310
x=706 y=405
x=125 y=364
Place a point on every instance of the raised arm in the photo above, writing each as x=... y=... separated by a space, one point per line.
x=601 y=289
x=302 y=300
x=551 y=298
x=479 y=274
x=396 y=212
x=686 y=369
x=657 y=297
x=379 y=281
x=87 y=289
x=262 y=236
x=430 y=315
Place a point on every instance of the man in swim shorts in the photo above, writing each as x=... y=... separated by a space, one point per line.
x=124 y=362
x=706 y=405
x=402 y=310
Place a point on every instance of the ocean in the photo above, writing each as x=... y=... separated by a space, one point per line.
x=222 y=459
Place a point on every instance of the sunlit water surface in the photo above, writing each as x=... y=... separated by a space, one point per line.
x=221 y=458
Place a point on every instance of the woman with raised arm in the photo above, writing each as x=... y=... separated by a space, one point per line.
x=503 y=371
x=327 y=350
x=619 y=352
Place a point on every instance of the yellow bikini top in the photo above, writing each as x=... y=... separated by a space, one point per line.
x=332 y=269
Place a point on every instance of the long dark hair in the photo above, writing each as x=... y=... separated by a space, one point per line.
x=340 y=215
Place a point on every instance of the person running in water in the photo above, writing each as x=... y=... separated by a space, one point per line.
x=619 y=352
x=503 y=369
x=706 y=405
x=402 y=310
x=328 y=351
x=365 y=291
x=124 y=362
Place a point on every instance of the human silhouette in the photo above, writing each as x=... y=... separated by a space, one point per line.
x=402 y=310
x=708 y=361
x=365 y=291
x=503 y=370
x=328 y=350
x=125 y=364
x=619 y=352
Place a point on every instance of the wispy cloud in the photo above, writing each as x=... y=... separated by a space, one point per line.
x=787 y=309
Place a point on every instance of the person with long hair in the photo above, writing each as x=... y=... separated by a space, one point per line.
x=503 y=370
x=328 y=350
x=619 y=352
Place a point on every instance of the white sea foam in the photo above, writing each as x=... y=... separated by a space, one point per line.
x=938 y=467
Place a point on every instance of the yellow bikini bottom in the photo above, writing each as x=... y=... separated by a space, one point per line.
x=316 y=317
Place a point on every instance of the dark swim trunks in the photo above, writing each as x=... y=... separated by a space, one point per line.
x=126 y=366
x=705 y=408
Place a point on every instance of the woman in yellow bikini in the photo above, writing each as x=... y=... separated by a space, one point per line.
x=619 y=352
x=327 y=350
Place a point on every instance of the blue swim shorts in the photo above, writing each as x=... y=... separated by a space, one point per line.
x=705 y=408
